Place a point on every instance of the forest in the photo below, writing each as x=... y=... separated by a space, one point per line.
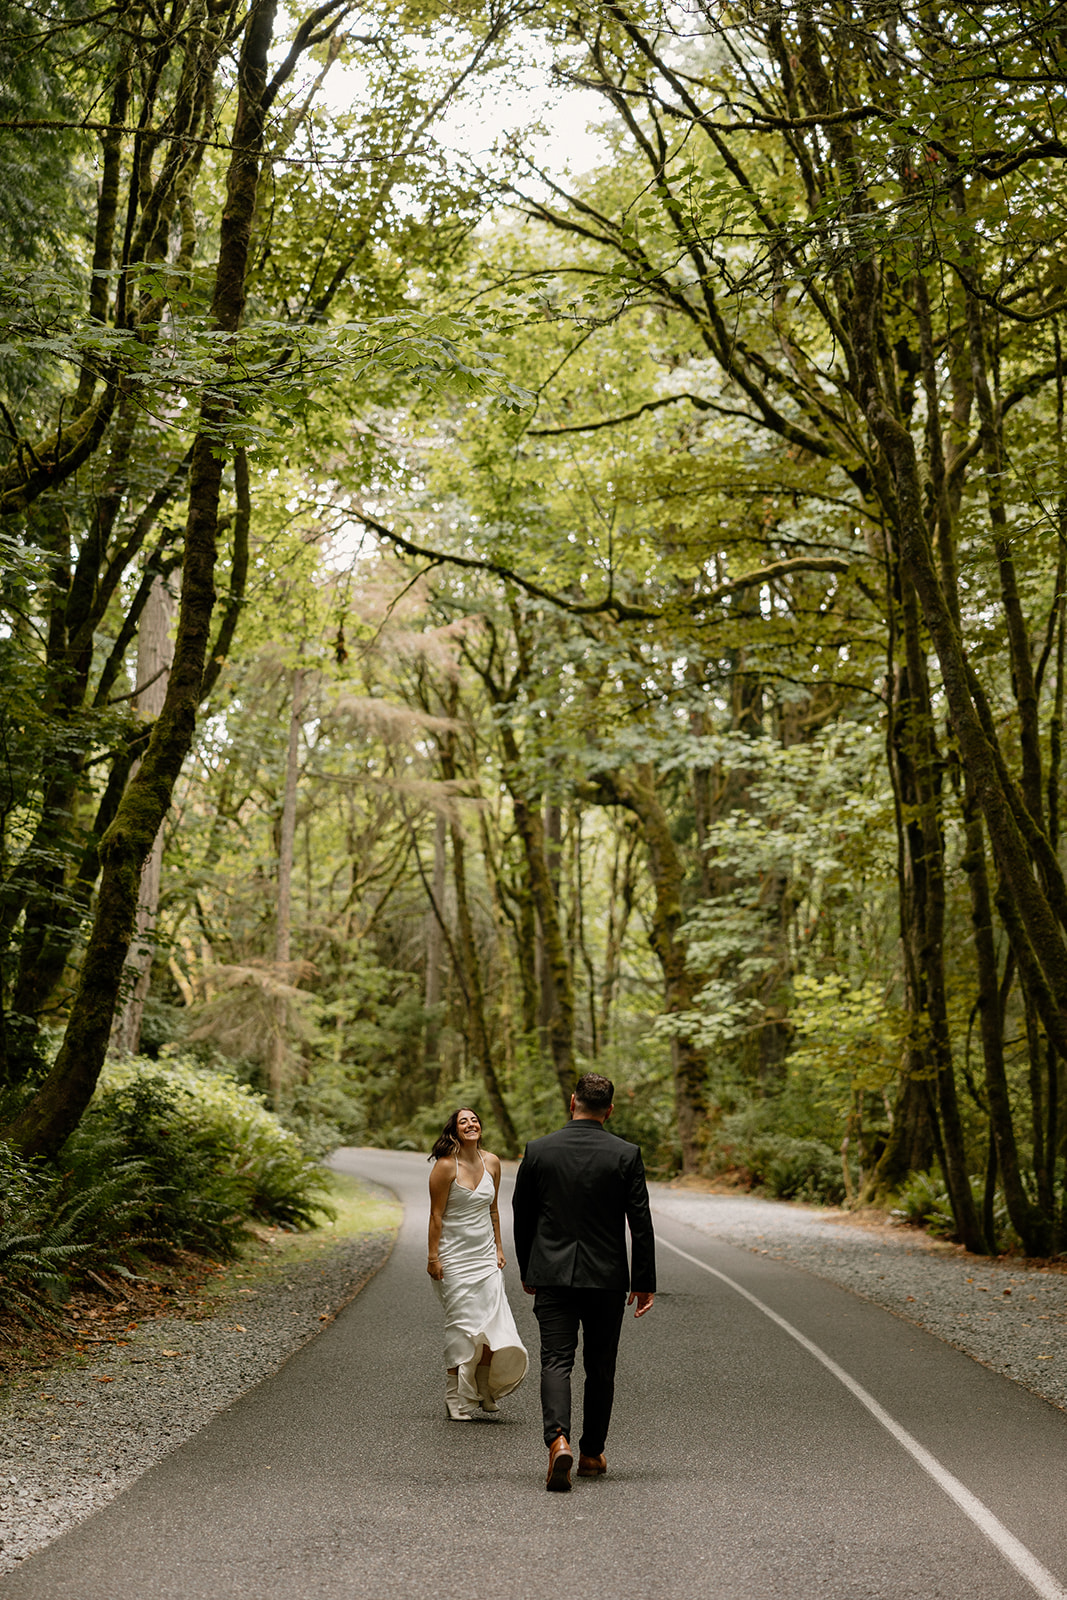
x=470 y=616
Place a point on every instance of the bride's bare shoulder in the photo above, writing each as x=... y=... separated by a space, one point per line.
x=492 y=1162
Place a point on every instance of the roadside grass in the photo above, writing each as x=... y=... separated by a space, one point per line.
x=185 y=1284
x=270 y=1253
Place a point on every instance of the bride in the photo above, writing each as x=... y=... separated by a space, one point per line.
x=484 y=1356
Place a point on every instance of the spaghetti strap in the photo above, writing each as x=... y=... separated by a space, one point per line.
x=481 y=1180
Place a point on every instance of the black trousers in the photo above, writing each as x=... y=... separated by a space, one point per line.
x=560 y=1313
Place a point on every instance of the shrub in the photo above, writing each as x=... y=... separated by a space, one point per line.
x=213 y=1152
x=30 y=1262
x=168 y=1155
x=923 y=1202
x=186 y=1198
x=797 y=1169
x=49 y=1229
x=787 y=1166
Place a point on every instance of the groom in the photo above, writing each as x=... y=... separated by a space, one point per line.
x=575 y=1192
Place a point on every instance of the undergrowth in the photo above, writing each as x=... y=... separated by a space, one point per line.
x=169 y=1157
x=783 y=1165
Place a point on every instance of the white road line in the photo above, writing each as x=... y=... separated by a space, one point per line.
x=1011 y=1548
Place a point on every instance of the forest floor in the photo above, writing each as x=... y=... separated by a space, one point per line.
x=87 y=1409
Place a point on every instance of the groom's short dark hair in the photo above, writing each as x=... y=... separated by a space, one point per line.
x=594 y=1092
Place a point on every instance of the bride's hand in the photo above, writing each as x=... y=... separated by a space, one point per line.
x=435 y=1269
x=501 y=1260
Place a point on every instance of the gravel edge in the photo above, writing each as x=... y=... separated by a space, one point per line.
x=1007 y=1314
x=73 y=1438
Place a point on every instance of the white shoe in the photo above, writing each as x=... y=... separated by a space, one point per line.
x=481 y=1378
x=454 y=1405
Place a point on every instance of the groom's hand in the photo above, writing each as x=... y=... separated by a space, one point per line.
x=527 y=1290
x=644 y=1301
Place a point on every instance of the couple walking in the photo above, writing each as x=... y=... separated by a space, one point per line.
x=575 y=1192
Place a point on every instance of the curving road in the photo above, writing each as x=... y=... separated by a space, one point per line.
x=774 y=1439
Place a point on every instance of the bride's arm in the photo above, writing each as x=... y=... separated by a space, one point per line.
x=493 y=1164
x=440 y=1183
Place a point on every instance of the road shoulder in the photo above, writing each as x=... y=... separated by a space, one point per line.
x=1007 y=1314
x=77 y=1432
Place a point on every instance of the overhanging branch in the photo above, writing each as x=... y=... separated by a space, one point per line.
x=629 y=416
x=610 y=605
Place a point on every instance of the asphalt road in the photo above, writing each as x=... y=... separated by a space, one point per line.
x=774 y=1439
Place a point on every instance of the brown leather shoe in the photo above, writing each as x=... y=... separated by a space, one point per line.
x=592 y=1466
x=560 y=1462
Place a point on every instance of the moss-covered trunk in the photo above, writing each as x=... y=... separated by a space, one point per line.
x=55 y=1110
x=637 y=792
x=470 y=975
x=529 y=825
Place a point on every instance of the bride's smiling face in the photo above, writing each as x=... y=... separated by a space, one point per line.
x=468 y=1128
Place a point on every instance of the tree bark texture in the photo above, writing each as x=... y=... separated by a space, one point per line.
x=52 y=1114
x=278 y=1054
x=530 y=828
x=637 y=792
x=434 y=945
x=155 y=653
x=1026 y=1218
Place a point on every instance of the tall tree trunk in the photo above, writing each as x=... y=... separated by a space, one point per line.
x=992 y=446
x=1026 y=1219
x=620 y=905
x=55 y=1110
x=552 y=836
x=529 y=826
x=527 y=945
x=902 y=494
x=470 y=973
x=912 y=1139
x=1055 y=1069
x=1039 y=899
x=278 y=1051
x=543 y=900
x=1038 y=1148
x=155 y=652
x=434 y=945
x=471 y=977
x=932 y=937
x=637 y=792
x=578 y=940
x=506 y=1007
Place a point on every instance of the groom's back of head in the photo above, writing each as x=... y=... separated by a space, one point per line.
x=594 y=1093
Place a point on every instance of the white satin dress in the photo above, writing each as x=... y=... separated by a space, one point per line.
x=472 y=1294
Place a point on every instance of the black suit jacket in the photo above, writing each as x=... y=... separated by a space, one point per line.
x=575 y=1192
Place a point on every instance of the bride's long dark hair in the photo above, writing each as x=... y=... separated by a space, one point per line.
x=448 y=1143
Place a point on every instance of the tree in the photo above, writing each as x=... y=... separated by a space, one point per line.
x=43 y=1125
x=815 y=300
x=162 y=343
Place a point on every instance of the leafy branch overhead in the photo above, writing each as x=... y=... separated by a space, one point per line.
x=610 y=605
